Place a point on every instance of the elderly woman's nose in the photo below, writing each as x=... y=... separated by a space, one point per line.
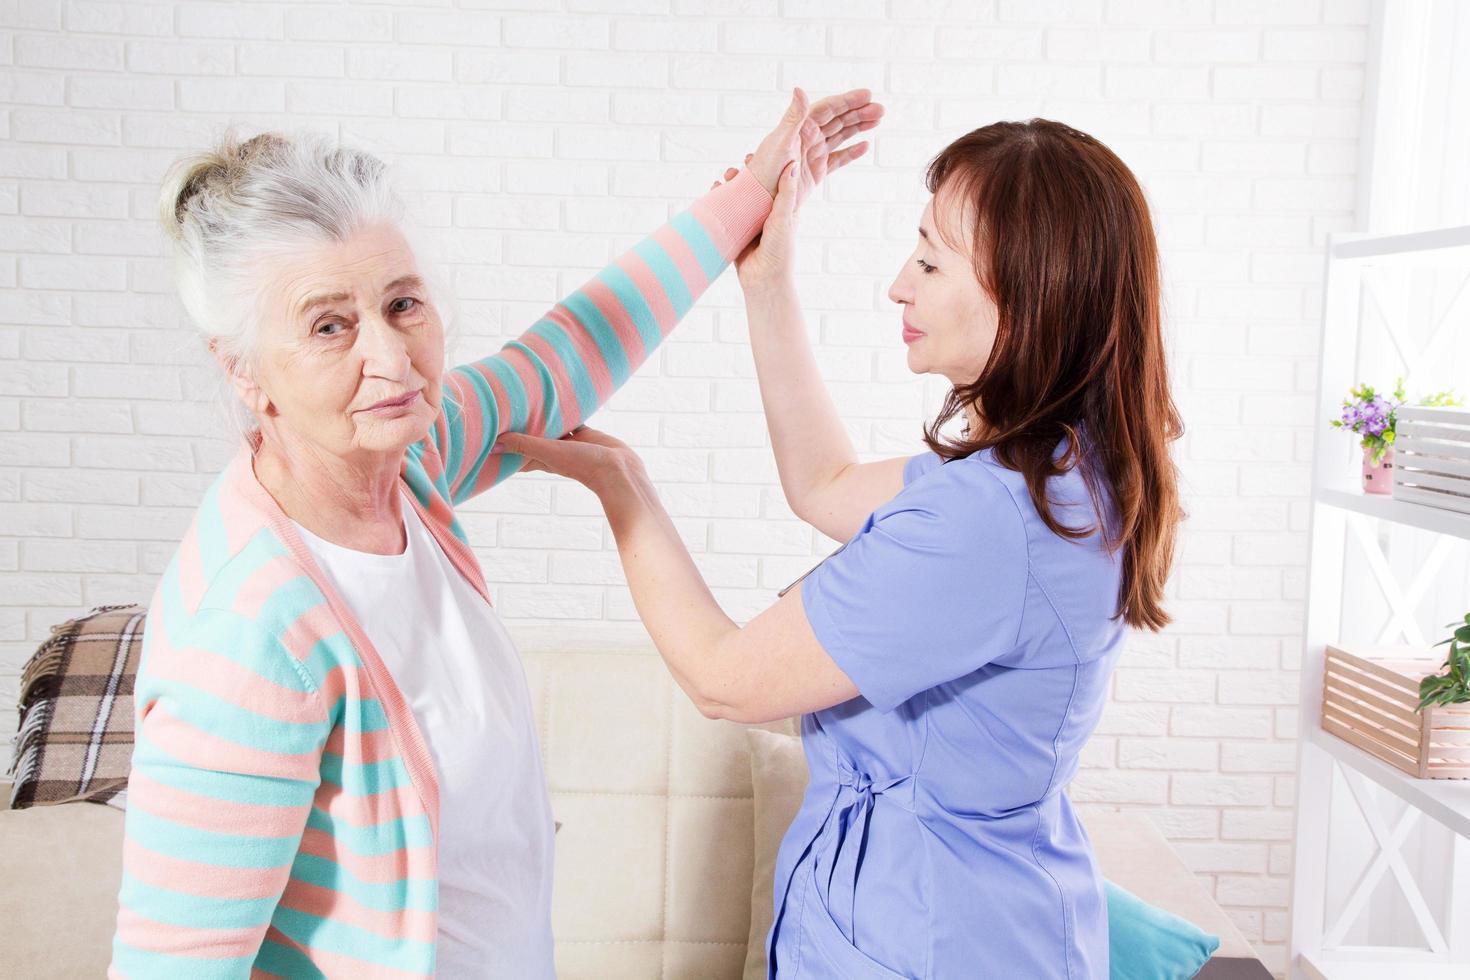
x=384 y=350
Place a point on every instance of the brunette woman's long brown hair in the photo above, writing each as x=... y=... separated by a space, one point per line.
x=1063 y=243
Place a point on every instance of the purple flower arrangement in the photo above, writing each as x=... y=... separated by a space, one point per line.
x=1374 y=416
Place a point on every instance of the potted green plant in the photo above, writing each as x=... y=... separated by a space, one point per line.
x=1453 y=685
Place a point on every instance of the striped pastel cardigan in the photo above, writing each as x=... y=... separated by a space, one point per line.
x=283 y=805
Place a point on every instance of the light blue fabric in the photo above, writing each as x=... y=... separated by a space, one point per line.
x=934 y=839
x=1147 y=943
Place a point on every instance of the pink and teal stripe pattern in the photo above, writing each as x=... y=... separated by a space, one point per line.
x=283 y=806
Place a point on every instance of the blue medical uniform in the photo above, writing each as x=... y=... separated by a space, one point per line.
x=935 y=839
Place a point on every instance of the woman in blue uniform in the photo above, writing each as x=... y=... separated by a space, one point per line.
x=951 y=660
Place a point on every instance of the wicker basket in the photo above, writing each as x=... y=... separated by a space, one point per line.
x=1370 y=702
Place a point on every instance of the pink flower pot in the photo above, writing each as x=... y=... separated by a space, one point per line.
x=1378 y=478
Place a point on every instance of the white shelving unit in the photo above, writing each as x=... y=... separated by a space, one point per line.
x=1405 y=869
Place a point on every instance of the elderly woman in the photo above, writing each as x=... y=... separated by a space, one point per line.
x=336 y=769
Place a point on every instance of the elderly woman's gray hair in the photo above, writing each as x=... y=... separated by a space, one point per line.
x=229 y=209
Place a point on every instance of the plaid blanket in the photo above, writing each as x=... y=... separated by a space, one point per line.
x=76 y=711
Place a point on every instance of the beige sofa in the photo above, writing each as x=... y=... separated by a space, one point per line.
x=654 y=858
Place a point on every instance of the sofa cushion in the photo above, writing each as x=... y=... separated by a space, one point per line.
x=63 y=868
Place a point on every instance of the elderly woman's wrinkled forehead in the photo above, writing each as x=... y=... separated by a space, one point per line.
x=356 y=269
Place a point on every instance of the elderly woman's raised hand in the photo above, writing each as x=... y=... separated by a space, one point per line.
x=811 y=140
x=815 y=134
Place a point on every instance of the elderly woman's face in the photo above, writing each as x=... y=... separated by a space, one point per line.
x=350 y=350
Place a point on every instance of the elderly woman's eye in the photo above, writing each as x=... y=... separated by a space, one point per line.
x=403 y=304
x=330 y=328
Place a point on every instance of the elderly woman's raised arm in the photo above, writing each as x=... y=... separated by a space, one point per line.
x=569 y=363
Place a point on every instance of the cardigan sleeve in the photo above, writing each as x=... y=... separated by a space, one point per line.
x=230 y=732
x=567 y=365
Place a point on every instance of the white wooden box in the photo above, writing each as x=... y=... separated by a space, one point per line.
x=1431 y=463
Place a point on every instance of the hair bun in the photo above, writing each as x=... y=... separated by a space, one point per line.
x=185 y=180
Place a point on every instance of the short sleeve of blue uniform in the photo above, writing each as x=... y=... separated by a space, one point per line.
x=930 y=590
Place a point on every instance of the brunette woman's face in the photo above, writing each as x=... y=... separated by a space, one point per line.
x=949 y=320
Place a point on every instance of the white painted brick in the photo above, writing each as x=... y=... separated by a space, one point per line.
x=1316 y=121
x=1266 y=82
x=864 y=41
x=42 y=555
x=55 y=51
x=1163 y=686
x=446 y=102
x=36 y=520
x=1252 y=688
x=1120 y=786
x=1258 y=891
x=617 y=70
x=294 y=60
x=558 y=532
x=73 y=272
x=1135 y=719
x=1347 y=84
x=233 y=95
x=1316 y=194
x=1068 y=45
x=29 y=235
x=989 y=44
x=1258 y=757
x=1338 y=45
x=399 y=64
x=1186 y=823
x=181 y=58
x=43 y=589
x=107 y=92
x=1212 y=45
x=501 y=67
x=1214 y=789
x=230 y=21
x=33 y=88
x=439 y=27
x=719 y=72
x=761 y=537
x=1238 y=858
x=76 y=415
x=1211 y=120
x=665 y=37
x=1169 y=754
x=793 y=39
x=338 y=24
x=1158 y=12
x=132 y=453
x=118 y=18
x=556 y=33
x=1257 y=825
x=72 y=126
x=1147 y=81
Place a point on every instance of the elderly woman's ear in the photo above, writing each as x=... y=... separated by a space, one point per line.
x=250 y=393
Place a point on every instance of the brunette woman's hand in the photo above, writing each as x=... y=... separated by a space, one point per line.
x=602 y=463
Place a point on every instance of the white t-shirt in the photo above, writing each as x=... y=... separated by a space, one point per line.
x=461 y=674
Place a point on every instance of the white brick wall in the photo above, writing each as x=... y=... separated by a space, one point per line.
x=537 y=138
